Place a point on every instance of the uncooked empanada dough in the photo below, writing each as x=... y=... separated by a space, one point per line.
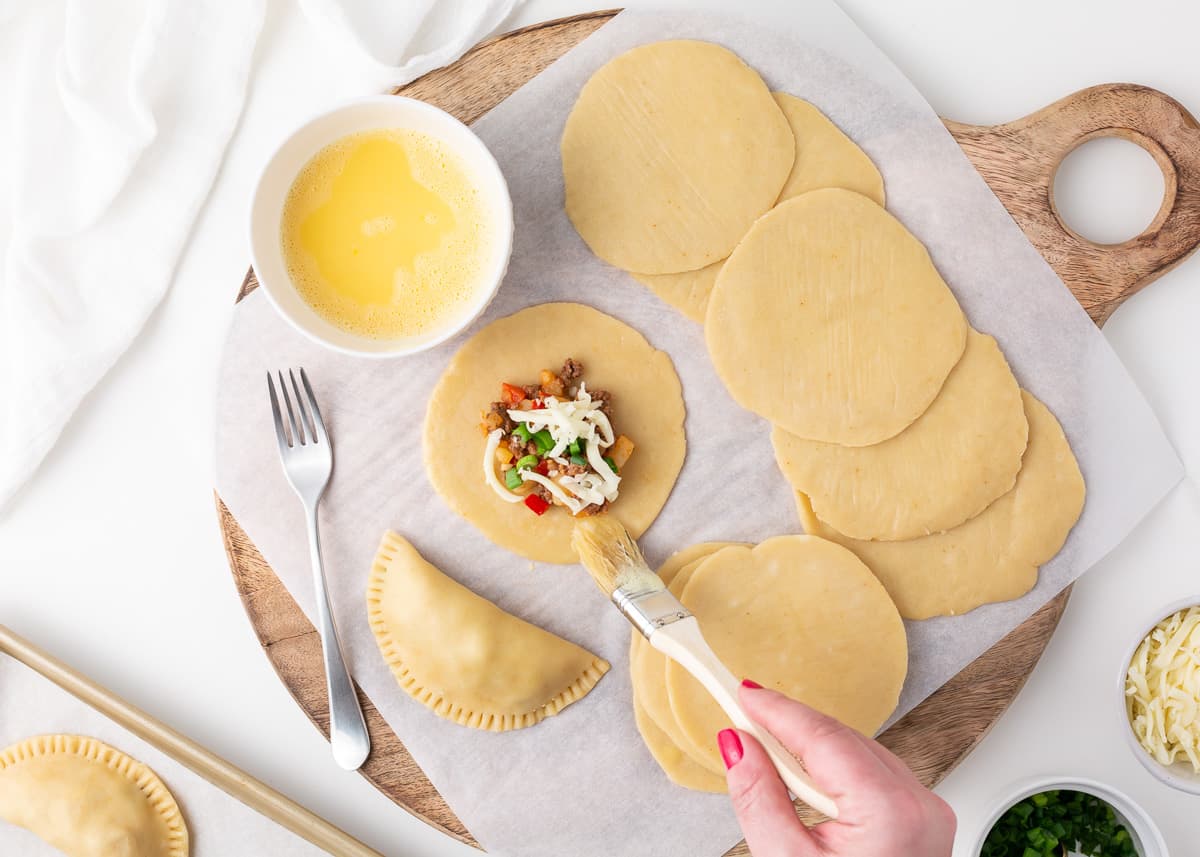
x=670 y=153
x=831 y=321
x=995 y=555
x=946 y=467
x=647 y=406
x=648 y=666
x=800 y=615
x=464 y=657
x=679 y=767
x=88 y=799
x=825 y=157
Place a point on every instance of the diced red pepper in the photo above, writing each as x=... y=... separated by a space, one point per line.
x=543 y=467
x=511 y=395
x=536 y=504
x=539 y=405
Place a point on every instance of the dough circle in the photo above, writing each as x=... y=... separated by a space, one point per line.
x=647 y=406
x=82 y=796
x=948 y=466
x=825 y=157
x=679 y=767
x=993 y=556
x=670 y=153
x=648 y=666
x=831 y=321
x=463 y=657
x=800 y=615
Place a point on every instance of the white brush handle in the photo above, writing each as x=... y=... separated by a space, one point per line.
x=683 y=643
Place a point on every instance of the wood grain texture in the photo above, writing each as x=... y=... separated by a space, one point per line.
x=1018 y=161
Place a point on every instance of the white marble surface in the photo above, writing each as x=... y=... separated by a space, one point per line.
x=114 y=543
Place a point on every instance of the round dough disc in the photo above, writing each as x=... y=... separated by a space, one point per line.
x=648 y=666
x=995 y=555
x=830 y=320
x=676 y=764
x=800 y=615
x=825 y=157
x=946 y=467
x=670 y=153
x=647 y=407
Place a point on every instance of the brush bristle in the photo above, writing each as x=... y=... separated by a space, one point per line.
x=610 y=555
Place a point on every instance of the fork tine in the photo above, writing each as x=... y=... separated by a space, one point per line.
x=297 y=429
x=305 y=416
x=280 y=432
x=319 y=428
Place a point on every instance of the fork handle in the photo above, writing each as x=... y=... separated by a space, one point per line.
x=347 y=728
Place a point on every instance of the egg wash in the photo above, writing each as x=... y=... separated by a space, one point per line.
x=384 y=234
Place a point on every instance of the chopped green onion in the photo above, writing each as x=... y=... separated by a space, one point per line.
x=577 y=446
x=1046 y=823
x=578 y=459
x=608 y=460
x=544 y=441
x=522 y=432
x=526 y=462
x=512 y=479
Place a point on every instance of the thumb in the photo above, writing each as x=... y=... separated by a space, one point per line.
x=760 y=800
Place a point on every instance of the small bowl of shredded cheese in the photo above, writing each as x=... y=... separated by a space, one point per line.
x=1160 y=696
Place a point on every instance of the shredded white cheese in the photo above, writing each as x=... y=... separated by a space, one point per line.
x=567 y=420
x=1162 y=689
x=489 y=468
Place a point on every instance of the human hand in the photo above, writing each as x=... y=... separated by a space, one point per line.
x=883 y=811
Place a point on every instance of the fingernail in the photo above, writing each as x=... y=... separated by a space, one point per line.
x=753 y=685
x=730 y=746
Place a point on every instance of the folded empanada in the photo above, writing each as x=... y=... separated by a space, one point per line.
x=463 y=656
x=88 y=799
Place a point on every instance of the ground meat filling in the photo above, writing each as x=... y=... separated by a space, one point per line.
x=559 y=450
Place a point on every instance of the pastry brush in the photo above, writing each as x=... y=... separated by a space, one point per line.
x=616 y=564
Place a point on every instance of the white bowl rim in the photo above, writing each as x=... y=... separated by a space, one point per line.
x=1148 y=834
x=1187 y=781
x=505 y=229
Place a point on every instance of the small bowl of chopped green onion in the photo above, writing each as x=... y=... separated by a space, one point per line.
x=1159 y=702
x=1069 y=817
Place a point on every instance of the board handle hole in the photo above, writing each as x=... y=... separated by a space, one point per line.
x=1113 y=187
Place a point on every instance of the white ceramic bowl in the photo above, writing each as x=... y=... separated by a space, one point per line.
x=1179 y=775
x=366 y=114
x=1146 y=837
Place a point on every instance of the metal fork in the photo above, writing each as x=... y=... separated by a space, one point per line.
x=307 y=458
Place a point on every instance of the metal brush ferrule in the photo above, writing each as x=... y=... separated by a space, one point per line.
x=650 y=610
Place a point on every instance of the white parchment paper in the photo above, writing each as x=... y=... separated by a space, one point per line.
x=219 y=825
x=582 y=783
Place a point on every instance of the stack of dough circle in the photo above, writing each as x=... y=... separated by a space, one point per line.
x=670 y=153
x=993 y=556
x=647 y=406
x=825 y=157
x=948 y=466
x=830 y=320
x=798 y=614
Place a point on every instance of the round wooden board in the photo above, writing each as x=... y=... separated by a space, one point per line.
x=1018 y=160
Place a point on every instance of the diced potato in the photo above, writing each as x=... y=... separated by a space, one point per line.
x=552 y=385
x=620 y=451
x=503 y=454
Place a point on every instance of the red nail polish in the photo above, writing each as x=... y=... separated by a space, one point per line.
x=753 y=685
x=730 y=745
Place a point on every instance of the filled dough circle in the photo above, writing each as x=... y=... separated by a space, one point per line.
x=993 y=556
x=825 y=157
x=799 y=615
x=46 y=780
x=948 y=466
x=647 y=406
x=670 y=153
x=831 y=321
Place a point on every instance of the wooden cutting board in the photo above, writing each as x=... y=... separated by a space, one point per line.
x=1018 y=160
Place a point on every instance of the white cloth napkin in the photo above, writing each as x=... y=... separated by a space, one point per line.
x=114 y=119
